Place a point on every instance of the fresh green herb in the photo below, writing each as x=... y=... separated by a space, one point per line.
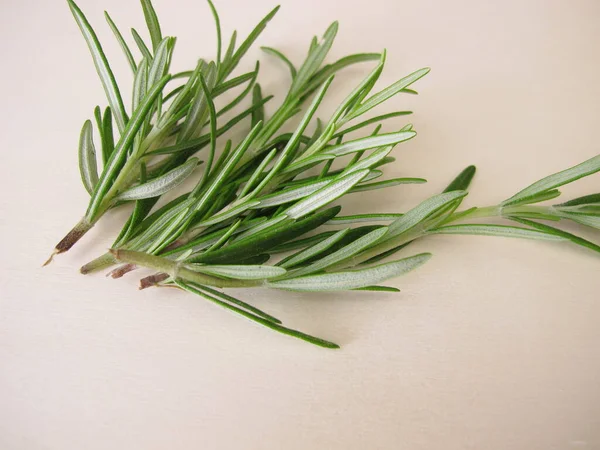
x=274 y=191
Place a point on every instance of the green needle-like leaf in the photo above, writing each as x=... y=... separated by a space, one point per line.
x=497 y=230
x=462 y=181
x=370 y=121
x=330 y=69
x=152 y=23
x=162 y=184
x=236 y=101
x=384 y=255
x=592 y=199
x=422 y=211
x=245 y=272
x=140 y=84
x=589 y=220
x=234 y=82
x=261 y=242
x=230 y=50
x=290 y=195
x=87 y=158
x=301 y=243
x=121 y=42
x=552 y=230
x=386 y=184
x=314 y=60
x=369 y=161
x=313 y=251
x=237 y=302
x=282 y=57
x=378 y=289
x=143 y=48
x=228 y=213
x=235 y=58
x=584 y=169
x=357 y=218
x=257 y=173
x=213 y=128
x=258 y=115
x=326 y=195
x=194 y=145
x=352 y=279
x=353 y=248
x=227 y=169
x=267 y=323
x=270 y=224
x=102 y=67
x=369 y=142
x=160 y=62
x=197 y=114
x=537 y=198
x=108 y=142
x=215 y=14
x=388 y=92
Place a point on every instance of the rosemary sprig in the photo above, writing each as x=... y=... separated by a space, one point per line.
x=324 y=264
x=260 y=197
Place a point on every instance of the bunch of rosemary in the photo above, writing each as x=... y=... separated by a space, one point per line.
x=257 y=199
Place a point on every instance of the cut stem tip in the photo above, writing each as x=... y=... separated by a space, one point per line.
x=152 y=280
x=120 y=271
x=51 y=258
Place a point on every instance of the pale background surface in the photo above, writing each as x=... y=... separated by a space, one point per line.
x=492 y=345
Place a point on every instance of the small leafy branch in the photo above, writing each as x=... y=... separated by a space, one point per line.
x=258 y=199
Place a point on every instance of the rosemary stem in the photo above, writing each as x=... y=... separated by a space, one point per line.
x=76 y=233
x=176 y=271
x=102 y=262
x=128 y=172
x=487 y=212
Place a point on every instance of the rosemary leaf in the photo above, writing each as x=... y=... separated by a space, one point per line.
x=353 y=248
x=312 y=251
x=353 y=279
x=245 y=272
x=267 y=323
x=557 y=232
x=121 y=42
x=152 y=23
x=462 y=181
x=591 y=199
x=143 y=48
x=584 y=169
x=422 y=211
x=87 y=158
x=388 y=92
x=497 y=230
x=326 y=195
x=108 y=142
x=284 y=59
x=102 y=67
x=262 y=242
x=386 y=184
x=213 y=10
x=162 y=184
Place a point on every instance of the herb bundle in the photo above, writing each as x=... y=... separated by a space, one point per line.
x=260 y=198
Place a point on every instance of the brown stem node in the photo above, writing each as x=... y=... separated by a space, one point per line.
x=121 y=270
x=152 y=280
